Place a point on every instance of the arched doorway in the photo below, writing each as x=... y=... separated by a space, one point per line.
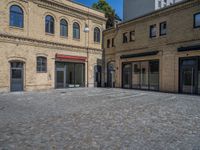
x=111 y=74
x=16 y=76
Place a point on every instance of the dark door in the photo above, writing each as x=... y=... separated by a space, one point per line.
x=97 y=76
x=16 y=76
x=60 y=75
x=127 y=76
x=189 y=76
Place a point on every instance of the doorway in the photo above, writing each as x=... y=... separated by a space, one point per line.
x=127 y=76
x=70 y=75
x=189 y=75
x=16 y=74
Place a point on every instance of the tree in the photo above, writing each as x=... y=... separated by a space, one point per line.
x=109 y=12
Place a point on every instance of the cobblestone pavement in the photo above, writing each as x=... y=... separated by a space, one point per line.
x=99 y=119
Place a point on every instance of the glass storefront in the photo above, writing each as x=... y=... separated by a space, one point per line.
x=141 y=75
x=69 y=75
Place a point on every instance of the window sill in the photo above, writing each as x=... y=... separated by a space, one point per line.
x=98 y=43
x=197 y=27
x=41 y=72
x=153 y=38
x=163 y=35
x=49 y=34
x=16 y=28
x=132 y=40
x=64 y=37
x=78 y=40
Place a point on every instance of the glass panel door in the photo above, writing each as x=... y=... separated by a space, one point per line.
x=136 y=74
x=79 y=75
x=60 y=79
x=188 y=80
x=154 y=75
x=127 y=76
x=189 y=75
x=16 y=76
x=70 y=75
x=60 y=75
x=144 y=75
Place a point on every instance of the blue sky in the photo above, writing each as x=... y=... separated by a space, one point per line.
x=116 y=4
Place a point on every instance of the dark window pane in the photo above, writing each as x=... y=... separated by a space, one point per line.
x=16 y=16
x=16 y=74
x=153 y=31
x=132 y=36
x=49 y=24
x=63 y=28
x=154 y=75
x=125 y=37
x=136 y=74
x=96 y=35
x=197 y=20
x=41 y=64
x=76 y=31
x=113 y=42
x=163 y=28
x=108 y=43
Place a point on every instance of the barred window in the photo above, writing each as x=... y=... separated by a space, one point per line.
x=41 y=64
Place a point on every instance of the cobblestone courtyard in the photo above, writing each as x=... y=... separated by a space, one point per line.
x=99 y=119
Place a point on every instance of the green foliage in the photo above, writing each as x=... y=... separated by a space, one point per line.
x=109 y=12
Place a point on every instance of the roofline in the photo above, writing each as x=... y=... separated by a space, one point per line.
x=154 y=12
x=87 y=7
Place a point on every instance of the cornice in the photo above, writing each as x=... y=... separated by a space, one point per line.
x=7 y=38
x=56 y=6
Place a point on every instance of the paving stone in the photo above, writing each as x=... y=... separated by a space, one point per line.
x=99 y=119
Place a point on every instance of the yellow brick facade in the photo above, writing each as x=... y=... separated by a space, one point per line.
x=180 y=33
x=26 y=44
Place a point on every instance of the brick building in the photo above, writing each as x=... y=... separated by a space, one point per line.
x=158 y=51
x=49 y=44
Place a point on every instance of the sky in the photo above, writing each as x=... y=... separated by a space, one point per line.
x=116 y=4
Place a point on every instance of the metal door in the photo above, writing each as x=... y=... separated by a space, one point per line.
x=16 y=76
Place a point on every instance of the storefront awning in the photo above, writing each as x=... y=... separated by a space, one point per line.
x=189 y=48
x=139 y=54
x=69 y=57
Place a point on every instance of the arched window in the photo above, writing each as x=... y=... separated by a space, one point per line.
x=41 y=64
x=49 y=24
x=97 y=36
x=63 y=28
x=76 y=31
x=16 y=16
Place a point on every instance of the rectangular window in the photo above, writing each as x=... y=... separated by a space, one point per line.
x=113 y=42
x=132 y=36
x=197 y=20
x=125 y=37
x=108 y=43
x=41 y=64
x=153 y=31
x=163 y=28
